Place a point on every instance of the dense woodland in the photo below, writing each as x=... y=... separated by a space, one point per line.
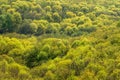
x=59 y=39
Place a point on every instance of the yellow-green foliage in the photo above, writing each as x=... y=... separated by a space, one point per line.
x=59 y=40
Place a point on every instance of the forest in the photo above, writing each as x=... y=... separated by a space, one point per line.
x=59 y=39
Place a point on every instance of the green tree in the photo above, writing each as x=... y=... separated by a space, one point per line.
x=118 y=24
x=70 y=14
x=28 y=27
x=49 y=76
x=56 y=17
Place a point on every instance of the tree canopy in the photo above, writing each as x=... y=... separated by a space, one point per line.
x=60 y=39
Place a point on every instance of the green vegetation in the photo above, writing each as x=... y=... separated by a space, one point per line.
x=59 y=40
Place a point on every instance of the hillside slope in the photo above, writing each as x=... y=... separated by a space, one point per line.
x=59 y=40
